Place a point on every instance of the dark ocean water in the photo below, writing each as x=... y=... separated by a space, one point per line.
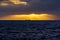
x=30 y=30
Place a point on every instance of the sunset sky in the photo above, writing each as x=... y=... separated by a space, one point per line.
x=30 y=10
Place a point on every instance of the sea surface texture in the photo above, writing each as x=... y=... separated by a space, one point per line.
x=30 y=30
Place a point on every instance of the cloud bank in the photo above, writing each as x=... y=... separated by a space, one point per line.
x=47 y=6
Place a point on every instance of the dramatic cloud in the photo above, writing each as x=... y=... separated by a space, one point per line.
x=36 y=6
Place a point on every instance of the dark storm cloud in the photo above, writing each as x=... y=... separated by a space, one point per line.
x=50 y=6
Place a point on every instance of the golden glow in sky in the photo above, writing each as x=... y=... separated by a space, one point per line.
x=5 y=3
x=30 y=17
x=18 y=2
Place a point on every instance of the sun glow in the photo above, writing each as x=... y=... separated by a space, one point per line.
x=30 y=17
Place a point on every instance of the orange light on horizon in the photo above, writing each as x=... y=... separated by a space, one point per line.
x=30 y=17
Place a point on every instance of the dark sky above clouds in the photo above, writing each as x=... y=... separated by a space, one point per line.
x=49 y=6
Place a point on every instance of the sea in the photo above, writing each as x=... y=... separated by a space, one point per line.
x=29 y=29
